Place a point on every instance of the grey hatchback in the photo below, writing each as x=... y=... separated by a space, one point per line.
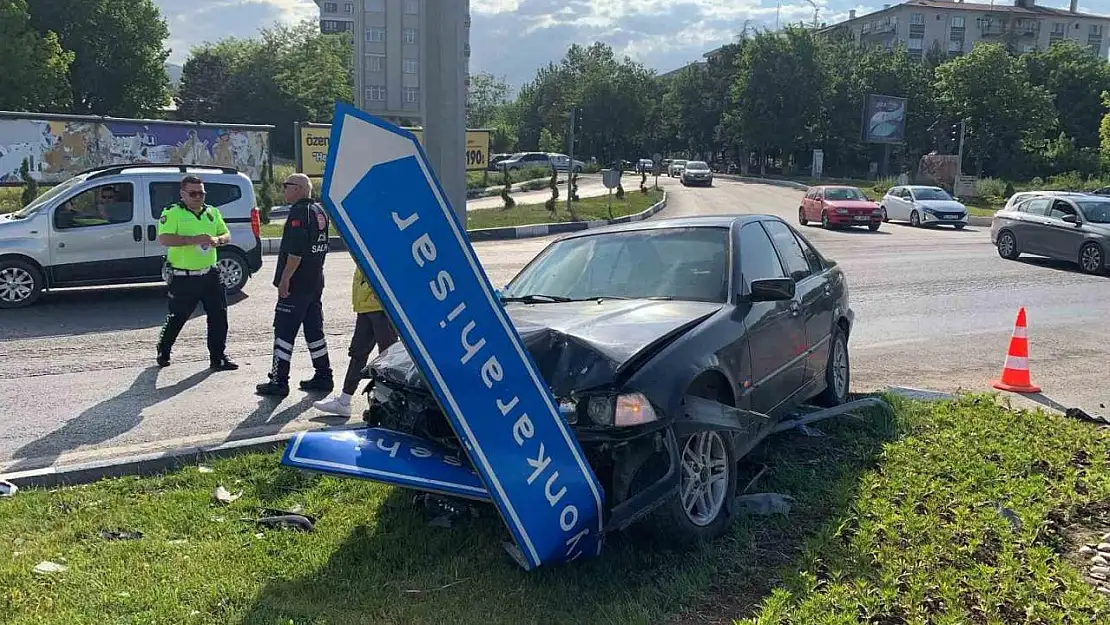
x=1074 y=228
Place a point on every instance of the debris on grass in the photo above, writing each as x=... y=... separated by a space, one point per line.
x=205 y=469
x=224 y=496
x=7 y=489
x=765 y=504
x=120 y=535
x=47 y=567
x=296 y=522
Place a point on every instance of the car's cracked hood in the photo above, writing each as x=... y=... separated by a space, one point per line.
x=576 y=345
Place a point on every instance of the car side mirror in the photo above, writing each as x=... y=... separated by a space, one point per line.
x=1071 y=219
x=772 y=290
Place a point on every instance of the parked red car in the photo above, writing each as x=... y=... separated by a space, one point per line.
x=835 y=207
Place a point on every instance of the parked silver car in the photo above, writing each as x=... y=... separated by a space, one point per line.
x=923 y=206
x=1073 y=228
x=101 y=228
x=676 y=167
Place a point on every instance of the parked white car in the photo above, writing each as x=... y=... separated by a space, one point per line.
x=561 y=162
x=100 y=227
x=923 y=206
x=676 y=168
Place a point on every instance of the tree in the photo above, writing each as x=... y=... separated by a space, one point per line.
x=1077 y=79
x=1005 y=113
x=35 y=73
x=204 y=79
x=119 y=53
x=485 y=98
x=690 y=114
x=1104 y=133
x=30 y=185
x=548 y=142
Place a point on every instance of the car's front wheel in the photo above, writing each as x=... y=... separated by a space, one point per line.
x=1007 y=245
x=1091 y=259
x=802 y=216
x=915 y=219
x=21 y=283
x=701 y=510
x=838 y=371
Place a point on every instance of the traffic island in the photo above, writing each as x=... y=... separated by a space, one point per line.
x=960 y=507
x=534 y=220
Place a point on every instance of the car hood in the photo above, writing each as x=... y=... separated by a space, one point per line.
x=852 y=204
x=577 y=345
x=943 y=205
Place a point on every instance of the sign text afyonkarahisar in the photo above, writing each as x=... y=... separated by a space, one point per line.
x=407 y=240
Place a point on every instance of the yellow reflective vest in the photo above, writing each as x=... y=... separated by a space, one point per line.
x=363 y=298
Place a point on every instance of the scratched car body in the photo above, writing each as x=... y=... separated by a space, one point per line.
x=673 y=348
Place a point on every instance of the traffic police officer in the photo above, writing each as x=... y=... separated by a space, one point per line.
x=300 y=282
x=191 y=231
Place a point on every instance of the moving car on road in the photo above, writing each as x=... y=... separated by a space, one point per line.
x=672 y=347
x=676 y=168
x=923 y=206
x=561 y=162
x=696 y=172
x=101 y=228
x=837 y=206
x=1018 y=198
x=645 y=165
x=1074 y=228
x=524 y=160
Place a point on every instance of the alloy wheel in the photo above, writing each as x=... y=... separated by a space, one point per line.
x=840 y=369
x=915 y=220
x=16 y=285
x=703 y=485
x=1006 y=245
x=1090 y=259
x=231 y=272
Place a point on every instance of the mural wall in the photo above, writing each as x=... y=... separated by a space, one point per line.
x=61 y=147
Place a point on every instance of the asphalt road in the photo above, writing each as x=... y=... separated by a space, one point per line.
x=935 y=309
x=589 y=185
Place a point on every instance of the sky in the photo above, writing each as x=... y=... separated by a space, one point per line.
x=511 y=39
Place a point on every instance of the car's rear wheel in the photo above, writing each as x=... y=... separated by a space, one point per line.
x=1091 y=259
x=802 y=216
x=21 y=283
x=1007 y=245
x=233 y=271
x=838 y=371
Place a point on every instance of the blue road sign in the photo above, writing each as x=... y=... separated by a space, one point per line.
x=391 y=210
x=386 y=456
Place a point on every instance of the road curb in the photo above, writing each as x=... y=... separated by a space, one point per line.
x=149 y=464
x=270 y=246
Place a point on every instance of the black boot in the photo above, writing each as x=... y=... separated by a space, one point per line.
x=318 y=384
x=273 y=388
x=223 y=363
x=163 y=358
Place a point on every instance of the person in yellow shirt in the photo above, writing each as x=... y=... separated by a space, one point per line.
x=372 y=327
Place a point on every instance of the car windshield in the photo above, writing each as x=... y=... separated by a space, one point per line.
x=929 y=193
x=668 y=263
x=680 y=162
x=1095 y=212
x=697 y=165
x=844 y=193
x=43 y=199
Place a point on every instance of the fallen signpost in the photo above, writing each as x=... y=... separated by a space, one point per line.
x=388 y=206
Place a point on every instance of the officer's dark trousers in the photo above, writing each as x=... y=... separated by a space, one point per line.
x=185 y=293
x=297 y=310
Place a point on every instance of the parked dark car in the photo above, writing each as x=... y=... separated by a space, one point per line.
x=1074 y=228
x=673 y=347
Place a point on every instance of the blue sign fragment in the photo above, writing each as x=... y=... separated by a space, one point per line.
x=392 y=212
x=386 y=456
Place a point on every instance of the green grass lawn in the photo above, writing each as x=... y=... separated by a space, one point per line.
x=586 y=209
x=895 y=520
x=9 y=199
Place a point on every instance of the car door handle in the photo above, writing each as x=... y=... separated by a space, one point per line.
x=151 y=233
x=137 y=233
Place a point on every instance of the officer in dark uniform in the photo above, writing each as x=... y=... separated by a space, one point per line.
x=300 y=282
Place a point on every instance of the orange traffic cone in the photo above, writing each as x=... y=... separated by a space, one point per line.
x=1015 y=373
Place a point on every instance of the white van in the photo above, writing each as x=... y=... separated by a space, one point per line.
x=54 y=243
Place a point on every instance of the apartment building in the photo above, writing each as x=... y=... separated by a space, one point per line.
x=392 y=48
x=953 y=27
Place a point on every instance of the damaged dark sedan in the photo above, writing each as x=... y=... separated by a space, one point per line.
x=673 y=347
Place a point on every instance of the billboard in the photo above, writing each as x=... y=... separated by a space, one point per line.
x=884 y=119
x=312 y=147
x=61 y=146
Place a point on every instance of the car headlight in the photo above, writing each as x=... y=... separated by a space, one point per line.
x=621 y=410
x=842 y=211
x=928 y=211
x=877 y=211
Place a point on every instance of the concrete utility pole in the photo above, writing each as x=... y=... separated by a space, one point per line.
x=960 y=152
x=359 y=33
x=570 y=167
x=443 y=94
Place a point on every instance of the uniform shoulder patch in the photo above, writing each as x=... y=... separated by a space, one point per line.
x=163 y=219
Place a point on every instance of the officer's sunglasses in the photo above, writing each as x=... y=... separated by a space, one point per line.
x=196 y=194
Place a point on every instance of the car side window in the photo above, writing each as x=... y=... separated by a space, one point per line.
x=814 y=260
x=162 y=194
x=102 y=205
x=1037 y=206
x=758 y=259
x=1060 y=209
x=793 y=258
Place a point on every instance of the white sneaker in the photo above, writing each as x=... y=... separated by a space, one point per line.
x=333 y=405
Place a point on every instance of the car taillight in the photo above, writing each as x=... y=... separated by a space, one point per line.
x=256 y=222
